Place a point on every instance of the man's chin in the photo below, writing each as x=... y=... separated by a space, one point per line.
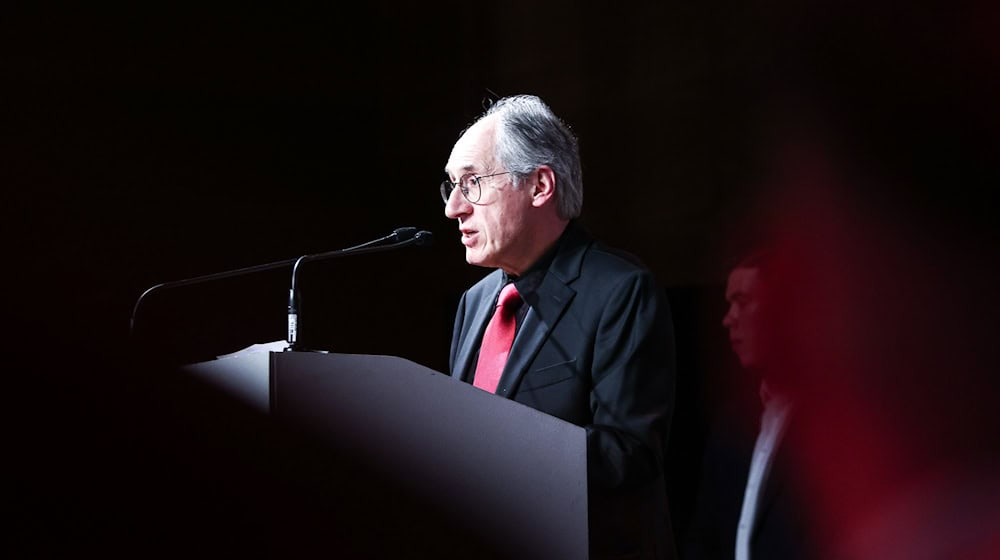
x=748 y=362
x=476 y=258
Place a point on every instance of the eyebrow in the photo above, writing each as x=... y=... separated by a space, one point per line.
x=467 y=167
x=737 y=296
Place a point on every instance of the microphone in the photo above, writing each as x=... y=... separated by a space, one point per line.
x=423 y=238
x=400 y=237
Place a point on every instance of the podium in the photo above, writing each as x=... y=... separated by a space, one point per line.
x=512 y=475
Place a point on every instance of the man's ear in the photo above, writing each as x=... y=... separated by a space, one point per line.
x=543 y=188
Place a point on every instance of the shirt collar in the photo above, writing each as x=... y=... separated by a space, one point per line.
x=529 y=282
x=771 y=398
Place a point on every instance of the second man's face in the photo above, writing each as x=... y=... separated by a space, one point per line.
x=743 y=319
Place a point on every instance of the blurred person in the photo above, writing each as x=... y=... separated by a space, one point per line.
x=879 y=205
x=896 y=428
x=594 y=342
x=747 y=505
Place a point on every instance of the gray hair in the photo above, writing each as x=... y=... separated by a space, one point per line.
x=530 y=135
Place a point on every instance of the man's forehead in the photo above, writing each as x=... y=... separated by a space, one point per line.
x=473 y=149
x=742 y=280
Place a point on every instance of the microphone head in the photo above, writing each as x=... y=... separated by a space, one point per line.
x=403 y=234
x=423 y=237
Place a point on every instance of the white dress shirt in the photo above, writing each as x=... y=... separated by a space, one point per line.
x=772 y=427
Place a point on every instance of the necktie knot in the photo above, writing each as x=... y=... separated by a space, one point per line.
x=509 y=298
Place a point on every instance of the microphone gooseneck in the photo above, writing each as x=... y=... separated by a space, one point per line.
x=399 y=238
x=199 y=280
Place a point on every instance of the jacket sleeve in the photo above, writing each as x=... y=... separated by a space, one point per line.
x=632 y=395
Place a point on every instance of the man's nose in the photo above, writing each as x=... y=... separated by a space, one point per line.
x=456 y=205
x=728 y=320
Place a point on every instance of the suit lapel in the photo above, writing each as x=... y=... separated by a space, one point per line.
x=551 y=300
x=547 y=306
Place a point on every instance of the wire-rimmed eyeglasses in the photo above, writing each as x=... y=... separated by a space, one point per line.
x=468 y=184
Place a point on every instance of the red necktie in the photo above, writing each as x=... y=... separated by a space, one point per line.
x=497 y=339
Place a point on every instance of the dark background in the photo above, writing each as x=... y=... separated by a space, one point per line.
x=156 y=142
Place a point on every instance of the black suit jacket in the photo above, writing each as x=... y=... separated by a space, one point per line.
x=595 y=349
x=782 y=529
